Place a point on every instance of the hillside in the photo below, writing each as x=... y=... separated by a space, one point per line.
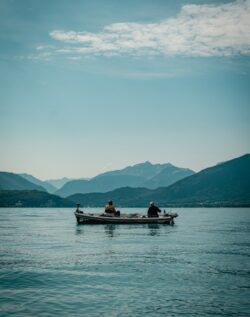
x=58 y=183
x=140 y=175
x=168 y=176
x=11 y=181
x=31 y=198
x=226 y=184
x=145 y=170
x=47 y=186
x=122 y=197
x=99 y=184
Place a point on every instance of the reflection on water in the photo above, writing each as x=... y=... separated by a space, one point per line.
x=79 y=230
x=113 y=230
x=154 y=229
x=109 y=230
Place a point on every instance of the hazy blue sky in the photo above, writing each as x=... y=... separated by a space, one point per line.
x=90 y=86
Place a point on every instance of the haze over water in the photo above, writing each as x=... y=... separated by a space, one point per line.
x=50 y=266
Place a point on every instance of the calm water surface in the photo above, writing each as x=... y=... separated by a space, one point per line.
x=50 y=266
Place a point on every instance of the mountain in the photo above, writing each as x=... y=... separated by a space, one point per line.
x=139 y=175
x=58 y=183
x=11 y=181
x=31 y=198
x=167 y=176
x=50 y=188
x=99 y=184
x=145 y=170
x=226 y=184
x=123 y=197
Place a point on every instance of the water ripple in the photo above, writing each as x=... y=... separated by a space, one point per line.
x=49 y=266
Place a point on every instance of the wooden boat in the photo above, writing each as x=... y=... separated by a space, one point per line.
x=89 y=218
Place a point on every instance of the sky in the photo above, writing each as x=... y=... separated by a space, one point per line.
x=92 y=86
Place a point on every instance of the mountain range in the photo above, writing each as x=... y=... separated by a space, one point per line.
x=31 y=198
x=47 y=186
x=226 y=184
x=140 y=175
x=11 y=181
x=58 y=183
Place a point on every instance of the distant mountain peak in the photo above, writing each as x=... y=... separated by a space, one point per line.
x=225 y=185
x=139 y=175
x=146 y=163
x=12 y=181
x=49 y=187
x=58 y=183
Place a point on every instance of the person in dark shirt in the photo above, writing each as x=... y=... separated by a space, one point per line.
x=110 y=209
x=153 y=210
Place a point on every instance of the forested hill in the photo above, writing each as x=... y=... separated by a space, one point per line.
x=11 y=181
x=225 y=183
x=47 y=186
x=31 y=198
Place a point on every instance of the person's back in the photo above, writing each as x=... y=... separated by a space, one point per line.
x=110 y=209
x=153 y=210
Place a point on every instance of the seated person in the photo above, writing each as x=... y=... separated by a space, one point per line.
x=153 y=210
x=110 y=209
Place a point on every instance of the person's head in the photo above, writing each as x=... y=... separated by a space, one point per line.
x=152 y=203
x=111 y=202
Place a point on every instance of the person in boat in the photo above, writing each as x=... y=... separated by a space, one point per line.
x=153 y=210
x=110 y=209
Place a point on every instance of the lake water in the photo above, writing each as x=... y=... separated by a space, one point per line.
x=50 y=266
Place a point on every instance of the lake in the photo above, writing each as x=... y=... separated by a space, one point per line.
x=50 y=266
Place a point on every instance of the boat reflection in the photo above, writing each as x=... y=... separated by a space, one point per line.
x=79 y=230
x=114 y=230
x=154 y=229
x=110 y=230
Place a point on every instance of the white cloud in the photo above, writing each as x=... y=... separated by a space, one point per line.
x=45 y=56
x=198 y=30
x=74 y=58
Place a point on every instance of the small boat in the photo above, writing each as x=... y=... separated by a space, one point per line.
x=90 y=218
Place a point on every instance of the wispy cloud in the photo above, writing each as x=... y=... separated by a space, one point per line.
x=198 y=30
